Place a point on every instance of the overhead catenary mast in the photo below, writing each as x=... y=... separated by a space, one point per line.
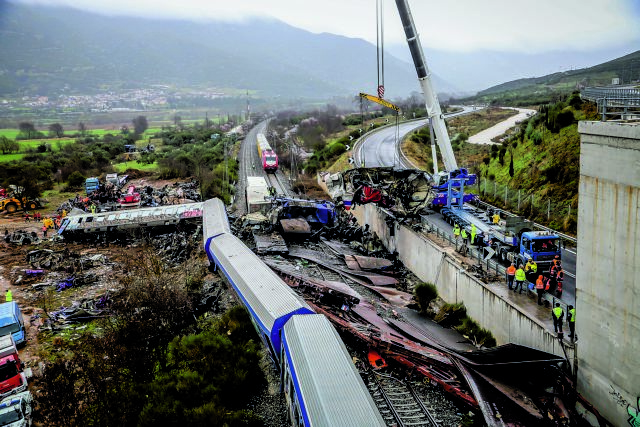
x=424 y=77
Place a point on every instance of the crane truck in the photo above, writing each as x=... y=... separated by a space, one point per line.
x=515 y=239
x=512 y=239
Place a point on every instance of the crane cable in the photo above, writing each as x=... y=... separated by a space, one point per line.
x=380 y=46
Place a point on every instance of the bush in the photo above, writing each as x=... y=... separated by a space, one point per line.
x=424 y=294
x=451 y=314
x=479 y=336
x=76 y=180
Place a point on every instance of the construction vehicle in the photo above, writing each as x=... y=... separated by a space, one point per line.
x=12 y=377
x=12 y=204
x=513 y=239
x=91 y=184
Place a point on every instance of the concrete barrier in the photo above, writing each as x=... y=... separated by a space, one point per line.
x=484 y=303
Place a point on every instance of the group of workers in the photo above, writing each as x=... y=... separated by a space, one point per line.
x=543 y=284
x=462 y=232
x=47 y=222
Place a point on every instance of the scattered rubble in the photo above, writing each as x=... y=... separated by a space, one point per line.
x=20 y=237
x=405 y=192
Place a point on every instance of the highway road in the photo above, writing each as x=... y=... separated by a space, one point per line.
x=378 y=149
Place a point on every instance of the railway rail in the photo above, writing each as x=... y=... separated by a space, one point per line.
x=275 y=181
x=398 y=402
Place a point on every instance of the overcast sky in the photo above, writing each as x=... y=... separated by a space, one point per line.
x=450 y=25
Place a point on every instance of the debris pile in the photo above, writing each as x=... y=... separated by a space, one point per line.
x=21 y=237
x=80 y=311
x=405 y=192
x=111 y=197
x=176 y=248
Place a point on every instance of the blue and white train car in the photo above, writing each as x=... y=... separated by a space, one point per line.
x=321 y=385
x=214 y=221
x=269 y=300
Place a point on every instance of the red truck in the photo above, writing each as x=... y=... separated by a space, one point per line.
x=12 y=378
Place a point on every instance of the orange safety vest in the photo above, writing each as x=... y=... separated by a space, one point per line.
x=560 y=276
x=539 y=283
x=511 y=271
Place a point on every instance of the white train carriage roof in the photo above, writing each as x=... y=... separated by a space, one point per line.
x=214 y=221
x=270 y=301
x=214 y=218
x=131 y=218
x=333 y=393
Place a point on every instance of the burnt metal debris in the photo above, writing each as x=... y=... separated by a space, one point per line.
x=20 y=237
x=406 y=192
x=110 y=197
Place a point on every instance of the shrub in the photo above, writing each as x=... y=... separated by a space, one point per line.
x=424 y=294
x=479 y=336
x=76 y=179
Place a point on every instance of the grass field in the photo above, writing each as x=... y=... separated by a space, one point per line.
x=70 y=133
x=122 y=167
x=9 y=157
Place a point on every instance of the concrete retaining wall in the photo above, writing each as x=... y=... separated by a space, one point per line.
x=608 y=289
x=431 y=263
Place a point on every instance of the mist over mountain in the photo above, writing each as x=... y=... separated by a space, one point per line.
x=49 y=50
x=478 y=70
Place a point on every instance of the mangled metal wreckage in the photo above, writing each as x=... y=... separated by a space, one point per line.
x=405 y=192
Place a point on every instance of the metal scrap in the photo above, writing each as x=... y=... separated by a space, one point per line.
x=406 y=192
x=21 y=237
x=270 y=243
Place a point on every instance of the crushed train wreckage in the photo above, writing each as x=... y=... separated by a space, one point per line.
x=405 y=192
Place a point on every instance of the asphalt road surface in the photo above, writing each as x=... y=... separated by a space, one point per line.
x=379 y=148
x=568 y=261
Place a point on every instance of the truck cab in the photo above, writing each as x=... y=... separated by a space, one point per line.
x=91 y=185
x=541 y=246
x=12 y=378
x=16 y=411
x=12 y=323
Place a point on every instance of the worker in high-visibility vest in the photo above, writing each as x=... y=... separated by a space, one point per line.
x=496 y=218
x=465 y=236
x=456 y=232
x=511 y=274
x=572 y=322
x=540 y=288
x=520 y=279
x=474 y=231
x=8 y=297
x=557 y=314
x=559 y=281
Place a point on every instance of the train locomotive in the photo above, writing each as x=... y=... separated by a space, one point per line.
x=321 y=385
x=268 y=156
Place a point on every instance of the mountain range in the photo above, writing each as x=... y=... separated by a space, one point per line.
x=52 y=50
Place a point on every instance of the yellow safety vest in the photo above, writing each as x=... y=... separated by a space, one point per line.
x=520 y=276
x=464 y=233
x=572 y=315
x=557 y=312
x=9 y=296
x=534 y=267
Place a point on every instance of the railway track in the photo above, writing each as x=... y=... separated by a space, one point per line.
x=399 y=403
x=276 y=182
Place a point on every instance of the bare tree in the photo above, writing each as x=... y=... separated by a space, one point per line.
x=56 y=130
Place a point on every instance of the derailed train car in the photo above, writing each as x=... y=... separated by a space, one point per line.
x=321 y=385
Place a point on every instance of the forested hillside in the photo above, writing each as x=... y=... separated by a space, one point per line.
x=540 y=164
x=549 y=88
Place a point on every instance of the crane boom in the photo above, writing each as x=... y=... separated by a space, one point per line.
x=380 y=101
x=424 y=77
